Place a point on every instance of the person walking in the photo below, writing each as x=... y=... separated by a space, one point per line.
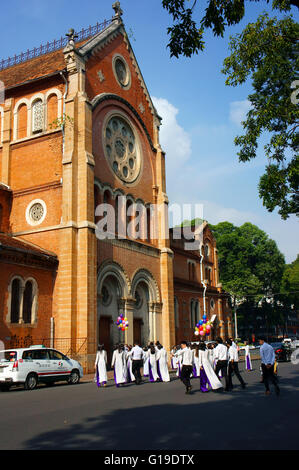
x=130 y=377
x=145 y=358
x=101 y=366
x=248 y=365
x=268 y=359
x=119 y=365
x=221 y=358
x=233 y=365
x=153 y=372
x=186 y=355
x=137 y=362
x=162 y=363
x=208 y=378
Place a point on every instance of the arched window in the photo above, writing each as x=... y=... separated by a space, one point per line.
x=15 y=301
x=22 y=118
x=37 y=111
x=52 y=111
x=27 y=302
x=207 y=251
x=22 y=301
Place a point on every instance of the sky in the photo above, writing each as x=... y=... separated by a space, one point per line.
x=201 y=115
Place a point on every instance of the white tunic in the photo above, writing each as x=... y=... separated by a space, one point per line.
x=119 y=364
x=205 y=363
x=145 y=364
x=163 y=366
x=196 y=364
x=101 y=364
x=129 y=372
x=153 y=365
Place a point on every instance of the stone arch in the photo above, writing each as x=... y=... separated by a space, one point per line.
x=111 y=268
x=143 y=275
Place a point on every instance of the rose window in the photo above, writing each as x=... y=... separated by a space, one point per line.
x=122 y=149
x=36 y=212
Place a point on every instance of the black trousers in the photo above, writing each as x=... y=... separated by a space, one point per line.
x=136 y=366
x=185 y=375
x=268 y=374
x=222 y=366
x=233 y=367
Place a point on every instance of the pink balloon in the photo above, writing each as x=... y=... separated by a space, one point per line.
x=201 y=333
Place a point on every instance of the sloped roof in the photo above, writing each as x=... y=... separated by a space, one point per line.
x=10 y=243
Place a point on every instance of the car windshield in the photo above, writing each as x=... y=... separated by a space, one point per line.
x=8 y=356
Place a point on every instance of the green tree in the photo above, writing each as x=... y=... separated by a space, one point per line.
x=186 y=36
x=251 y=268
x=249 y=261
x=290 y=283
x=268 y=52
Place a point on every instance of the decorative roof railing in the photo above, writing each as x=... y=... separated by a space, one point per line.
x=52 y=46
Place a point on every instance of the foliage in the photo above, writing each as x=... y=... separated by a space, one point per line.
x=250 y=263
x=268 y=52
x=186 y=37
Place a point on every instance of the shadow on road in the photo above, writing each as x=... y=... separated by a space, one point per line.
x=242 y=419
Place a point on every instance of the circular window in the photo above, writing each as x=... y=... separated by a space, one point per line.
x=121 y=71
x=122 y=148
x=36 y=212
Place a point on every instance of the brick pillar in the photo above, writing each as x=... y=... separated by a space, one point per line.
x=5 y=176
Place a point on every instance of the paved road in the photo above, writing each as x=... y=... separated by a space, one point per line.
x=153 y=416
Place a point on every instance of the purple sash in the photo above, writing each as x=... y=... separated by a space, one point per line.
x=151 y=377
x=194 y=372
x=248 y=364
x=204 y=381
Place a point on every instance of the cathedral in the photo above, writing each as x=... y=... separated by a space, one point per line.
x=79 y=132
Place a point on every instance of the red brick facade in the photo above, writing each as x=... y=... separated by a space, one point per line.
x=54 y=161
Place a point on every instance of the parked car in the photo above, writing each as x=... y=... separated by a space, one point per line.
x=37 y=364
x=282 y=351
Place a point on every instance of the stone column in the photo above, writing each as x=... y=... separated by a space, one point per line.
x=129 y=313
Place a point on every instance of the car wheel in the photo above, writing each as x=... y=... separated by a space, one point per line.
x=31 y=382
x=74 y=378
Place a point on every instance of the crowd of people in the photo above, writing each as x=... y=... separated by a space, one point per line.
x=210 y=363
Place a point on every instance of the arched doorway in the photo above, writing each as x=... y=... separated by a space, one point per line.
x=147 y=308
x=112 y=289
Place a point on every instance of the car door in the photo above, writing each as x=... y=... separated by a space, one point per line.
x=60 y=366
x=41 y=363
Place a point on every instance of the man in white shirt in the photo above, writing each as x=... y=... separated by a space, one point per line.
x=187 y=365
x=221 y=356
x=137 y=362
x=233 y=367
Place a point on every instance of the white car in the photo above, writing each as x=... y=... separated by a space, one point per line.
x=36 y=364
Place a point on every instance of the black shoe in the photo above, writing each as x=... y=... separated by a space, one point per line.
x=243 y=386
x=277 y=390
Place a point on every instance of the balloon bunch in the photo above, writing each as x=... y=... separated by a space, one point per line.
x=203 y=327
x=122 y=323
